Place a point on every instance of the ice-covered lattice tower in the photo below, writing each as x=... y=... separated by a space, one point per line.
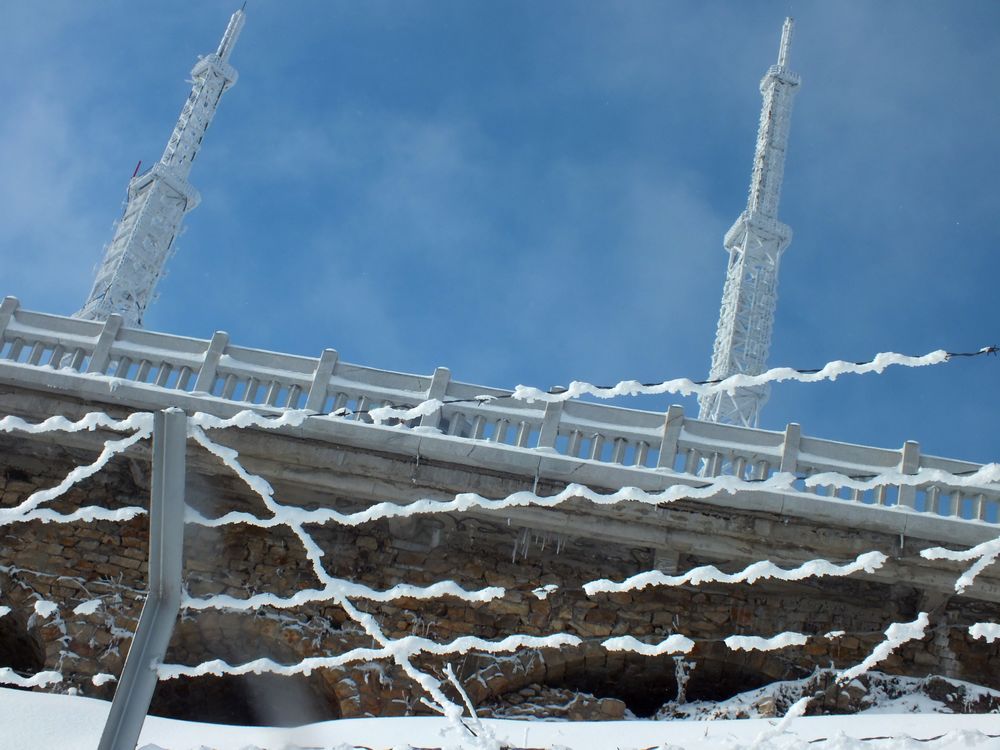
x=159 y=198
x=755 y=243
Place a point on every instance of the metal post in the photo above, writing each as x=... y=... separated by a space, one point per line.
x=156 y=622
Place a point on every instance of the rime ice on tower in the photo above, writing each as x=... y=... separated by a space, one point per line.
x=755 y=243
x=159 y=198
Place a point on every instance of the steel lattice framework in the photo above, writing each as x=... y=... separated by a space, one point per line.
x=159 y=198
x=755 y=244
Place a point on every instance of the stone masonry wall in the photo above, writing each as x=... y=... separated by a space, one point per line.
x=73 y=564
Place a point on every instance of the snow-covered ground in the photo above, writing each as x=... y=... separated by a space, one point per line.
x=40 y=721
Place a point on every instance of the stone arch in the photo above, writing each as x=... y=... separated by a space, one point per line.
x=252 y=699
x=20 y=649
x=642 y=683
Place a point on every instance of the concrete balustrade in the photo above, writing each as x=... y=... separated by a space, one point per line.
x=576 y=429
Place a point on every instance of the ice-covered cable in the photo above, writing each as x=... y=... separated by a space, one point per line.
x=111 y=449
x=762 y=569
x=705 y=488
x=688 y=387
x=346 y=588
x=41 y=679
x=984 y=554
x=895 y=635
x=138 y=421
x=756 y=643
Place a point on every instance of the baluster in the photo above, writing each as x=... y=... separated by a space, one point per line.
x=739 y=465
x=714 y=465
x=122 y=367
x=36 y=353
x=455 y=423
x=523 y=433
x=573 y=447
x=693 y=461
x=184 y=378
x=57 y=356
x=229 y=386
x=340 y=402
x=15 y=349
x=478 y=427
x=596 y=446
x=79 y=355
x=641 y=453
x=762 y=470
x=273 y=391
x=979 y=507
x=361 y=408
x=878 y=494
x=142 y=374
x=250 y=394
x=933 y=499
x=292 y=402
x=500 y=430
x=163 y=375
x=618 y=446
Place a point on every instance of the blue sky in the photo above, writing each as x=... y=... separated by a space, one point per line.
x=535 y=192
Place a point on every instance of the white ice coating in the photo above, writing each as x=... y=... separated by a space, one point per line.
x=710 y=487
x=984 y=554
x=4 y=610
x=403 y=648
x=766 y=739
x=87 y=607
x=675 y=644
x=895 y=635
x=687 y=387
x=140 y=422
x=756 y=643
x=45 y=609
x=102 y=677
x=988 y=631
x=9 y=677
x=248 y=418
x=404 y=414
x=542 y=592
x=763 y=569
x=987 y=474
x=350 y=589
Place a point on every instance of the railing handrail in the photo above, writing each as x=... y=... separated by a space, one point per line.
x=580 y=429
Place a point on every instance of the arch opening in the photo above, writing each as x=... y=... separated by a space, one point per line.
x=248 y=700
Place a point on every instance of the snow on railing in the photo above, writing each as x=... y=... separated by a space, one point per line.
x=523 y=418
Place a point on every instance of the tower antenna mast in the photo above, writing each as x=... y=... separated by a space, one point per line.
x=159 y=198
x=755 y=244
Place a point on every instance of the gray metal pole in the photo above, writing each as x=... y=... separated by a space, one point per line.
x=159 y=613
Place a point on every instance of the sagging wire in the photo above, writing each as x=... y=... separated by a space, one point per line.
x=680 y=386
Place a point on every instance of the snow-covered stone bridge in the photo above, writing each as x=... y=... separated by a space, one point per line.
x=700 y=494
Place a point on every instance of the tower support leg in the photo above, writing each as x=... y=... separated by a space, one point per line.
x=159 y=613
